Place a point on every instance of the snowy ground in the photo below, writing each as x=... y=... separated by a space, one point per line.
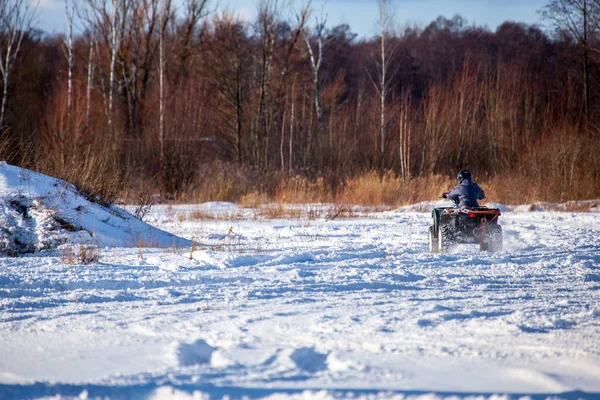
x=309 y=308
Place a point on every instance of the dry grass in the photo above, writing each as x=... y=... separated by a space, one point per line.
x=277 y=211
x=197 y=215
x=328 y=212
x=192 y=248
x=144 y=243
x=253 y=199
x=300 y=190
x=341 y=211
x=80 y=254
x=368 y=189
x=372 y=190
x=207 y=216
x=271 y=211
x=223 y=182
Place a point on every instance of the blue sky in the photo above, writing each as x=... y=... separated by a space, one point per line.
x=361 y=14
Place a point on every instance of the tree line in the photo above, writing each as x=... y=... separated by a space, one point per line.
x=177 y=99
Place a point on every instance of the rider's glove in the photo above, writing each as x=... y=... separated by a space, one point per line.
x=445 y=195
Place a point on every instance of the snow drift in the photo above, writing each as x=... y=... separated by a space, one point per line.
x=38 y=212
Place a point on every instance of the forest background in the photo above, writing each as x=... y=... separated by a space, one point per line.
x=145 y=100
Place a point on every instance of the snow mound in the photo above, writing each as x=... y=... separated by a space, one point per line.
x=196 y=353
x=38 y=212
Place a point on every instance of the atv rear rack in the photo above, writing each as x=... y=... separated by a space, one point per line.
x=475 y=211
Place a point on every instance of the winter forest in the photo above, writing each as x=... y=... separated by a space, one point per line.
x=146 y=99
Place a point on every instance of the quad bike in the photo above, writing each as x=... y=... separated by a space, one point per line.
x=475 y=225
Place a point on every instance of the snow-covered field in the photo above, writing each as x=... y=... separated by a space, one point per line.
x=309 y=308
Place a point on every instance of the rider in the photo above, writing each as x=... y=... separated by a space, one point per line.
x=467 y=192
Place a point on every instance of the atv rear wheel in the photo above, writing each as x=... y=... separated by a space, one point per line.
x=492 y=241
x=433 y=241
x=445 y=238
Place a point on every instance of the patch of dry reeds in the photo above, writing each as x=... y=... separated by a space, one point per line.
x=80 y=254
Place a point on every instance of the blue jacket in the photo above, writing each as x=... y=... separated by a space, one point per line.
x=466 y=194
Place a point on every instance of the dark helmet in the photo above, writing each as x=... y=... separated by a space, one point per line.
x=464 y=174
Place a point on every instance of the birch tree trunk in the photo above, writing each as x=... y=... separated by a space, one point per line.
x=161 y=77
x=316 y=61
x=405 y=136
x=382 y=94
x=291 y=142
x=239 y=112
x=114 y=48
x=384 y=24
x=90 y=79
x=70 y=56
x=586 y=65
x=281 y=143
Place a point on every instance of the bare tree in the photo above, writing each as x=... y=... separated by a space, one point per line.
x=316 y=61
x=382 y=83
x=16 y=19
x=166 y=12
x=130 y=59
x=296 y=33
x=281 y=143
x=90 y=80
x=268 y=15
x=282 y=95
x=69 y=13
x=580 y=19
x=229 y=67
x=119 y=15
x=292 y=122
x=194 y=12
x=140 y=49
x=107 y=19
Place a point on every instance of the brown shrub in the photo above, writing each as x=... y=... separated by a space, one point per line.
x=79 y=150
x=560 y=168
